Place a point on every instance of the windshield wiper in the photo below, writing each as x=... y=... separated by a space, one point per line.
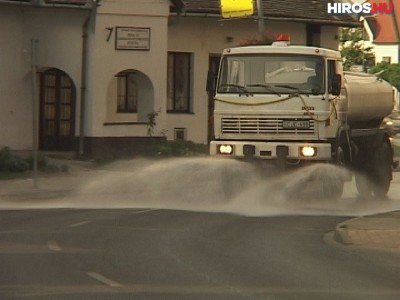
x=291 y=88
x=239 y=87
x=265 y=86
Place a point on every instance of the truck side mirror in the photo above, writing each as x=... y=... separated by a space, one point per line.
x=336 y=84
x=211 y=82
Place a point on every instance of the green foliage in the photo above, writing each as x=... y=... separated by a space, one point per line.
x=181 y=148
x=391 y=72
x=353 y=50
x=151 y=122
x=12 y=163
x=41 y=162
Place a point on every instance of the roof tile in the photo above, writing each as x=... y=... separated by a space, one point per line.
x=306 y=10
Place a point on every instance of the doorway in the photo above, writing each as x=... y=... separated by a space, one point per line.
x=57 y=98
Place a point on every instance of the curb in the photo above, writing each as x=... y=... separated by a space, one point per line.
x=341 y=235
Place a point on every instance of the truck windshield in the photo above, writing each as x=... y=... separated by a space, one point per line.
x=271 y=74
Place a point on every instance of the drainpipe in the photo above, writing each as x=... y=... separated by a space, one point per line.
x=85 y=32
x=34 y=113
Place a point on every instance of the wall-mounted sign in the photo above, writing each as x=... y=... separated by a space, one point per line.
x=236 y=8
x=132 y=38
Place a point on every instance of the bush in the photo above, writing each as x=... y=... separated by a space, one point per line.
x=12 y=163
x=41 y=162
x=181 y=148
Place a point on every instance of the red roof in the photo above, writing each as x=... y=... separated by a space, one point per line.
x=384 y=25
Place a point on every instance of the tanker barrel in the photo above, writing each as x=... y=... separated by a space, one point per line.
x=368 y=99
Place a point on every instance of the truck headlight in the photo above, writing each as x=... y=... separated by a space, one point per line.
x=308 y=151
x=225 y=149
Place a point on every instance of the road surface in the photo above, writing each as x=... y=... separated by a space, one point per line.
x=170 y=254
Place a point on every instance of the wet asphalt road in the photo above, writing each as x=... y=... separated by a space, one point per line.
x=170 y=254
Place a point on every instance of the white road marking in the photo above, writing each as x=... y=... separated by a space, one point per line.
x=136 y=212
x=103 y=279
x=79 y=223
x=53 y=246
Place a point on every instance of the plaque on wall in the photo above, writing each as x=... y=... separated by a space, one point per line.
x=132 y=38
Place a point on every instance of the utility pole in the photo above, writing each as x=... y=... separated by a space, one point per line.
x=34 y=113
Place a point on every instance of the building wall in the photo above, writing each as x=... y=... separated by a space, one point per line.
x=106 y=62
x=16 y=103
x=382 y=51
x=59 y=46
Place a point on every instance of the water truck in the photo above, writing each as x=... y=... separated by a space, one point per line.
x=294 y=105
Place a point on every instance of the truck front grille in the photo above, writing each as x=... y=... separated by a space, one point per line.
x=262 y=125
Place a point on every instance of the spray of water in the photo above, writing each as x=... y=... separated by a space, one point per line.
x=219 y=185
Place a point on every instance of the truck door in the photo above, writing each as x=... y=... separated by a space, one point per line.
x=213 y=65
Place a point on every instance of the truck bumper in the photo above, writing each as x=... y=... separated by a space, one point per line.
x=272 y=150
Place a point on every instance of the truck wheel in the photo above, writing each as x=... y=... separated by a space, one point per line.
x=383 y=171
x=376 y=182
x=364 y=186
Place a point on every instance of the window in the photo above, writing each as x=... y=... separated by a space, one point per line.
x=127 y=92
x=179 y=82
x=331 y=72
x=271 y=74
x=180 y=134
x=313 y=35
x=387 y=59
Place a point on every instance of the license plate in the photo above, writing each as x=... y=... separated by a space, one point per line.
x=296 y=124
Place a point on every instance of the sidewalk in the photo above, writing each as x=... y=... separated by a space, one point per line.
x=381 y=230
x=49 y=185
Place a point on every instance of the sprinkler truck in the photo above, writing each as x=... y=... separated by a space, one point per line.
x=294 y=105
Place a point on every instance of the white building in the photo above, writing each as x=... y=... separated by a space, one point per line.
x=103 y=66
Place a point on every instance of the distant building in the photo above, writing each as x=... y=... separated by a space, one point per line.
x=384 y=34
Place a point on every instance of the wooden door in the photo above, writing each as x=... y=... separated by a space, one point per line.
x=57 y=111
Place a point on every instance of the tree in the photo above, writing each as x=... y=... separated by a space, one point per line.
x=353 y=49
x=390 y=72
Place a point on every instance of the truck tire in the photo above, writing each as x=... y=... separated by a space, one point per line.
x=364 y=186
x=383 y=170
x=376 y=181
